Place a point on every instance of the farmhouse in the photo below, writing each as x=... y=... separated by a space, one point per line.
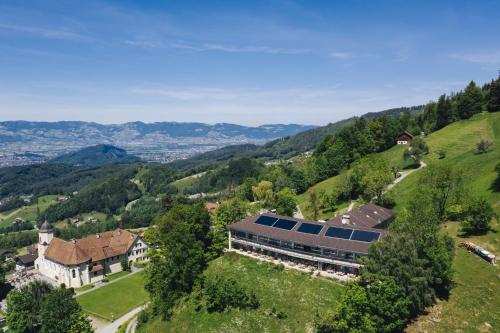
x=79 y=262
x=404 y=138
x=334 y=245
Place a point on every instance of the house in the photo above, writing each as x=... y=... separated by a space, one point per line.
x=404 y=138
x=6 y=254
x=334 y=245
x=84 y=261
x=26 y=262
x=212 y=207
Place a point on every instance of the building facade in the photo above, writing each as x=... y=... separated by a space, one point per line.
x=84 y=261
x=404 y=138
x=335 y=245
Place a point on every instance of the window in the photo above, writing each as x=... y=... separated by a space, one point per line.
x=74 y=273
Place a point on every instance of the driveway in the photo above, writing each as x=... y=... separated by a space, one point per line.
x=113 y=327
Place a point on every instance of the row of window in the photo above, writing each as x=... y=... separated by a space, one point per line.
x=312 y=250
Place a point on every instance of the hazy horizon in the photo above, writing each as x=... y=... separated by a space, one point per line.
x=264 y=62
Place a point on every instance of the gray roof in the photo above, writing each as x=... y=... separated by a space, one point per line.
x=368 y=217
x=45 y=227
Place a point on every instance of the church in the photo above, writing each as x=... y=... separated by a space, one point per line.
x=88 y=260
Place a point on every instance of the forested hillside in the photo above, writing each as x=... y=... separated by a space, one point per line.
x=95 y=156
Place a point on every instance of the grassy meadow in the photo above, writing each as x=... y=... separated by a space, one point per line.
x=115 y=299
x=297 y=294
x=27 y=213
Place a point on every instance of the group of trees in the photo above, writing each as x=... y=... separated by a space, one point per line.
x=220 y=292
x=37 y=307
x=108 y=197
x=402 y=274
x=183 y=239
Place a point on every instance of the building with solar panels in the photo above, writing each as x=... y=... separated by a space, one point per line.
x=334 y=245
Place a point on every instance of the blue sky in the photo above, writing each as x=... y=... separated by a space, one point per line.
x=248 y=62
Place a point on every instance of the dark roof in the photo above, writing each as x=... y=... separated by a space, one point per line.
x=5 y=251
x=362 y=218
x=46 y=226
x=27 y=259
x=367 y=216
x=405 y=134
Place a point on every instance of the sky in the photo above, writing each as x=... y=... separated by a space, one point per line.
x=245 y=62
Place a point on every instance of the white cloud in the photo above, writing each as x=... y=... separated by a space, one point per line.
x=341 y=55
x=485 y=57
x=42 y=32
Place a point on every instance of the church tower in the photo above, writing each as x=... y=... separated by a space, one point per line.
x=45 y=235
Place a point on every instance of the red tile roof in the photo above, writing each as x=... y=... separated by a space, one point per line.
x=91 y=248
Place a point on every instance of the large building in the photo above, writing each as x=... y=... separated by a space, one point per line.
x=336 y=244
x=83 y=261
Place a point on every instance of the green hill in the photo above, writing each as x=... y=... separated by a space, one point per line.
x=95 y=156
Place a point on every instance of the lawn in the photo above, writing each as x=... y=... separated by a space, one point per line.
x=115 y=299
x=27 y=213
x=297 y=294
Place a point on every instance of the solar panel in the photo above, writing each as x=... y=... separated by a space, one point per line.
x=339 y=232
x=285 y=224
x=365 y=236
x=310 y=228
x=266 y=220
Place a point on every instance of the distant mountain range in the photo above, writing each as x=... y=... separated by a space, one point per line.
x=281 y=148
x=161 y=141
x=95 y=156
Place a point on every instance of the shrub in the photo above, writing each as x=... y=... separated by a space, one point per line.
x=221 y=292
x=483 y=146
x=105 y=280
x=477 y=217
x=124 y=264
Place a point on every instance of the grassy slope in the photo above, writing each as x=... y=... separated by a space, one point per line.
x=474 y=303
x=475 y=300
x=295 y=293
x=393 y=154
x=115 y=299
x=27 y=213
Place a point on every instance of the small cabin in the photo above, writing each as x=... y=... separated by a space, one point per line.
x=404 y=138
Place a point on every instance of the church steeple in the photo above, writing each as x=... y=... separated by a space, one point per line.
x=45 y=235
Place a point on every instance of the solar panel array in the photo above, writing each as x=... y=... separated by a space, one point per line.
x=315 y=229
x=310 y=228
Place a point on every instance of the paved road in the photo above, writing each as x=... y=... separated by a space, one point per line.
x=132 y=325
x=298 y=213
x=405 y=174
x=113 y=327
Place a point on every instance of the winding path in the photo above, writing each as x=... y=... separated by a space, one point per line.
x=113 y=327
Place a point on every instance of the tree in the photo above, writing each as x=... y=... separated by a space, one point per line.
x=444 y=184
x=229 y=211
x=417 y=149
x=443 y=112
x=483 y=146
x=389 y=306
x=125 y=265
x=23 y=307
x=221 y=292
x=313 y=204
x=59 y=312
x=396 y=256
x=470 y=101
x=494 y=96
x=496 y=183
x=80 y=324
x=330 y=201
x=477 y=217
x=285 y=202
x=352 y=314
x=263 y=192
x=183 y=238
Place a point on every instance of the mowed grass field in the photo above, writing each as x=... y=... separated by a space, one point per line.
x=297 y=294
x=115 y=299
x=27 y=213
